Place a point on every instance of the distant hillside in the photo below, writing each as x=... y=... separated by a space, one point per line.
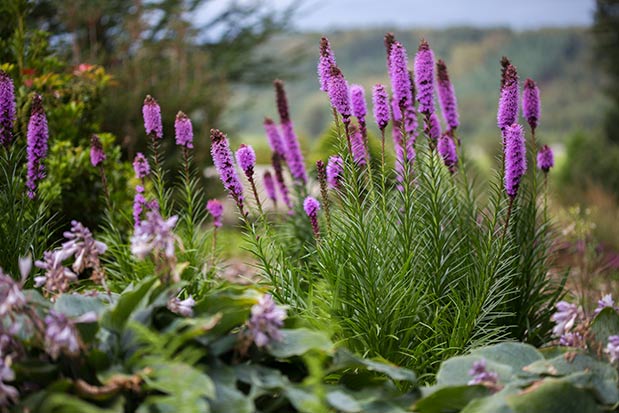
x=560 y=60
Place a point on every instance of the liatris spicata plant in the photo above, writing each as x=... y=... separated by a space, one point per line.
x=97 y=156
x=545 y=158
x=380 y=101
x=480 y=374
x=398 y=73
x=151 y=113
x=359 y=110
x=274 y=138
x=389 y=40
x=294 y=157
x=335 y=169
x=183 y=130
x=515 y=159
x=359 y=151
x=505 y=63
x=311 y=207
x=325 y=62
x=216 y=209
x=447 y=149
x=339 y=95
x=222 y=159
x=37 y=145
x=446 y=96
x=276 y=161
x=404 y=146
x=531 y=105
x=246 y=159
x=433 y=127
x=139 y=202
x=7 y=109
x=612 y=348
x=61 y=336
x=321 y=172
x=507 y=113
x=424 y=78
x=266 y=321
x=410 y=113
x=140 y=166
x=269 y=187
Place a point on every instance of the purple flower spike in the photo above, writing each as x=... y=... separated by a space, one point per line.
x=281 y=182
x=446 y=96
x=545 y=158
x=380 y=100
x=359 y=152
x=434 y=128
x=61 y=336
x=266 y=321
x=424 y=78
x=515 y=158
x=325 y=62
x=311 y=207
x=282 y=101
x=97 y=155
x=507 y=114
x=269 y=187
x=357 y=99
x=612 y=349
x=183 y=130
x=246 y=159
x=398 y=73
x=139 y=202
x=274 y=137
x=338 y=93
x=152 y=117
x=37 y=145
x=447 y=149
x=531 y=106
x=294 y=157
x=7 y=109
x=335 y=169
x=216 y=209
x=222 y=159
x=140 y=166
x=480 y=375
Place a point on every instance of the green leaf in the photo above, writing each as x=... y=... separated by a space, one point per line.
x=552 y=396
x=131 y=299
x=342 y=401
x=455 y=371
x=181 y=381
x=583 y=371
x=344 y=359
x=516 y=355
x=303 y=400
x=299 y=341
x=449 y=399
x=605 y=324
x=75 y=305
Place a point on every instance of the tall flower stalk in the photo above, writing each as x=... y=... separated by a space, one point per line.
x=223 y=161
x=37 y=138
x=294 y=157
x=7 y=109
x=246 y=159
x=447 y=97
x=515 y=164
x=153 y=126
x=97 y=157
x=321 y=171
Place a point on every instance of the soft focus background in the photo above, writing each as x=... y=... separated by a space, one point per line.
x=95 y=60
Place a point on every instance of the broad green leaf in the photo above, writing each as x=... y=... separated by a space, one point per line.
x=449 y=399
x=342 y=401
x=455 y=371
x=181 y=381
x=605 y=324
x=553 y=396
x=116 y=318
x=344 y=359
x=299 y=341
x=303 y=400
x=516 y=355
x=75 y=305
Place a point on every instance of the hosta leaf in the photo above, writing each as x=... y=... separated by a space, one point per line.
x=342 y=401
x=181 y=381
x=455 y=371
x=116 y=318
x=75 y=305
x=605 y=324
x=344 y=359
x=298 y=342
x=552 y=396
x=515 y=355
x=449 y=399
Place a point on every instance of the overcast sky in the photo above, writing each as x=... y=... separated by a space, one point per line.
x=517 y=14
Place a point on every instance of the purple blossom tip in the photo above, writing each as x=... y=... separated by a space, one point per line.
x=311 y=207
x=97 y=155
x=325 y=62
x=37 y=138
x=7 y=108
x=447 y=149
x=152 y=117
x=294 y=156
x=389 y=40
x=223 y=161
x=515 y=158
x=545 y=158
x=505 y=63
x=274 y=137
x=141 y=166
x=335 y=168
x=398 y=73
x=380 y=101
x=338 y=92
x=216 y=209
x=183 y=130
x=508 y=102
x=246 y=159
x=446 y=96
x=531 y=105
x=424 y=78
x=281 y=100
x=269 y=186
x=357 y=99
